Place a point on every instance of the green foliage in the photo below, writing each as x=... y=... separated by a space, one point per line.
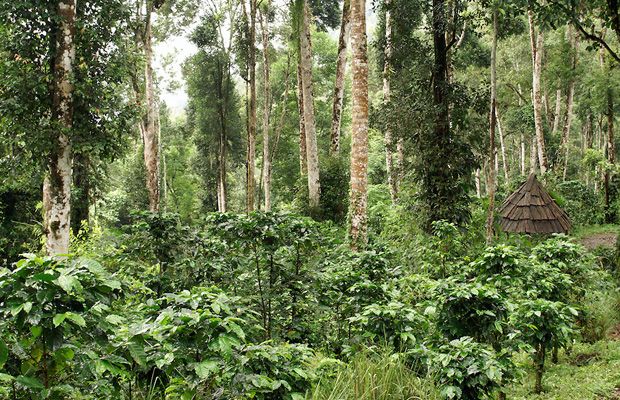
x=51 y=317
x=468 y=370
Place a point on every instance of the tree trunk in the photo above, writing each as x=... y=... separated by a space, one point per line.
x=502 y=145
x=341 y=66
x=537 y=44
x=303 y=154
x=251 y=149
x=533 y=156
x=558 y=111
x=492 y=125
x=151 y=121
x=312 y=154
x=611 y=154
x=478 y=183
x=541 y=353
x=57 y=185
x=389 y=141
x=359 y=127
x=266 y=114
x=573 y=39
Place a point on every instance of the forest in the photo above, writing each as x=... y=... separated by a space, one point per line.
x=309 y=199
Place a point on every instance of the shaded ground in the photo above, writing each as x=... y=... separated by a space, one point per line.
x=604 y=239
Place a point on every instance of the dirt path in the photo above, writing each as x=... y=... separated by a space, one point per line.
x=605 y=239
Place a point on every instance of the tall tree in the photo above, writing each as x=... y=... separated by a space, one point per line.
x=492 y=125
x=537 y=48
x=57 y=186
x=150 y=131
x=312 y=152
x=359 y=127
x=341 y=66
x=389 y=141
x=251 y=149
x=266 y=110
x=568 y=116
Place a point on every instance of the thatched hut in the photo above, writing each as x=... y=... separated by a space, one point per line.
x=531 y=210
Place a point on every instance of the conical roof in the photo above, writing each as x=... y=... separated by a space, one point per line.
x=532 y=210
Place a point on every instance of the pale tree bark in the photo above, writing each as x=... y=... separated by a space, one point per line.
x=558 y=111
x=492 y=124
x=303 y=154
x=312 y=153
x=537 y=45
x=533 y=155
x=251 y=145
x=478 y=183
x=389 y=141
x=341 y=66
x=57 y=185
x=359 y=128
x=568 y=117
x=522 y=147
x=502 y=143
x=266 y=113
x=150 y=135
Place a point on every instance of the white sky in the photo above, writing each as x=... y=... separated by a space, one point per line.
x=170 y=55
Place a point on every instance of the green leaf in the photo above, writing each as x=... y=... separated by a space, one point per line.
x=206 y=368
x=76 y=319
x=30 y=382
x=36 y=331
x=69 y=283
x=136 y=349
x=59 y=319
x=4 y=354
x=6 y=378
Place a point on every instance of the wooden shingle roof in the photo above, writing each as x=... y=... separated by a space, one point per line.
x=532 y=210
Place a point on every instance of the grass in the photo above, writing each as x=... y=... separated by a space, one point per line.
x=584 y=231
x=590 y=372
x=374 y=377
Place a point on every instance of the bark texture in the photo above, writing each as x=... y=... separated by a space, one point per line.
x=341 y=66
x=57 y=185
x=266 y=114
x=537 y=45
x=492 y=124
x=359 y=125
x=150 y=134
x=389 y=141
x=251 y=147
x=312 y=153
x=568 y=117
x=303 y=156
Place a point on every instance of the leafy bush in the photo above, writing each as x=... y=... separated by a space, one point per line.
x=581 y=203
x=468 y=370
x=51 y=313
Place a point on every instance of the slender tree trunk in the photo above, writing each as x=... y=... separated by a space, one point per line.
x=558 y=111
x=492 y=125
x=389 y=141
x=251 y=150
x=359 y=125
x=541 y=353
x=266 y=114
x=57 y=185
x=312 y=154
x=611 y=154
x=341 y=66
x=533 y=156
x=478 y=183
x=151 y=120
x=572 y=37
x=502 y=145
x=303 y=154
x=537 y=45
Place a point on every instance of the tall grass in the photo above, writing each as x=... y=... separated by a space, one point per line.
x=375 y=377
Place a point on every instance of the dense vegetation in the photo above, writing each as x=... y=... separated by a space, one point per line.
x=319 y=219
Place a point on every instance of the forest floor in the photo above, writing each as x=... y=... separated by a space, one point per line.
x=590 y=372
x=598 y=236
